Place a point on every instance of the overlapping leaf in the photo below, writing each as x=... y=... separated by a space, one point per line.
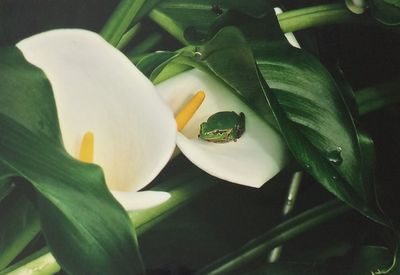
x=86 y=229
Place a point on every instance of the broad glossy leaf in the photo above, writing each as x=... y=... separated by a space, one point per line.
x=86 y=229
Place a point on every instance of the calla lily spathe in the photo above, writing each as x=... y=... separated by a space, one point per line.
x=97 y=89
x=252 y=160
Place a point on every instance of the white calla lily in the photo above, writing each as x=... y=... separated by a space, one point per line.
x=97 y=89
x=252 y=160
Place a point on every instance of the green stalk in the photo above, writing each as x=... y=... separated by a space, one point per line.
x=318 y=16
x=282 y=233
x=128 y=36
x=288 y=207
x=40 y=263
x=168 y=24
x=145 y=45
x=120 y=20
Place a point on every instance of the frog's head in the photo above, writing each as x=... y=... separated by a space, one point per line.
x=222 y=127
x=209 y=132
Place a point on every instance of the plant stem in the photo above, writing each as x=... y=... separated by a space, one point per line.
x=40 y=263
x=145 y=45
x=318 y=16
x=282 y=233
x=120 y=20
x=168 y=24
x=287 y=210
x=128 y=36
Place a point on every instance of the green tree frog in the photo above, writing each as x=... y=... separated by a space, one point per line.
x=223 y=127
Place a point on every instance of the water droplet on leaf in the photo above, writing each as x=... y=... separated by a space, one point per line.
x=197 y=54
x=334 y=156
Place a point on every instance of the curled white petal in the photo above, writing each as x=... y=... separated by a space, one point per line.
x=140 y=200
x=252 y=160
x=289 y=35
x=98 y=89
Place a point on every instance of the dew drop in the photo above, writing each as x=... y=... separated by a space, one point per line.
x=308 y=166
x=334 y=156
x=334 y=177
x=197 y=55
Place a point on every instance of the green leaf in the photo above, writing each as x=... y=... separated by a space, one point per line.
x=386 y=11
x=163 y=65
x=154 y=62
x=6 y=185
x=393 y=2
x=85 y=227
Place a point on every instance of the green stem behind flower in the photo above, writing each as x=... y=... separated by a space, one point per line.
x=318 y=16
x=278 y=235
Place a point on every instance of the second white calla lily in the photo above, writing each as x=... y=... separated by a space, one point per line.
x=97 y=89
x=252 y=160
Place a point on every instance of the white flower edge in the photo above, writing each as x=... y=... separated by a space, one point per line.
x=289 y=35
x=252 y=160
x=97 y=89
